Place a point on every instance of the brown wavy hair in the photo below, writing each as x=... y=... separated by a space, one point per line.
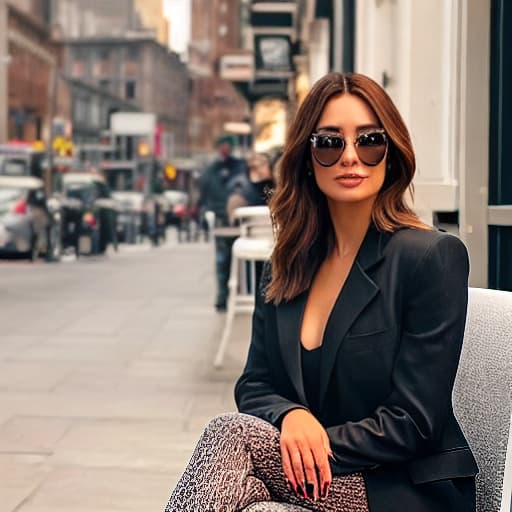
x=302 y=224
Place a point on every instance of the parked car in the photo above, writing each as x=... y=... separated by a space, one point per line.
x=28 y=224
x=130 y=221
x=98 y=213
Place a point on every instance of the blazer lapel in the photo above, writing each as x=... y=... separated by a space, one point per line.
x=357 y=292
x=359 y=289
x=289 y=320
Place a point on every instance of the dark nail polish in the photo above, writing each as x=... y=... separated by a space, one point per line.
x=301 y=492
x=310 y=490
x=325 y=490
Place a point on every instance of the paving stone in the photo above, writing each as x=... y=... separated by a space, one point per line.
x=106 y=388
x=145 y=445
x=100 y=490
x=27 y=375
x=12 y=344
x=20 y=477
x=32 y=435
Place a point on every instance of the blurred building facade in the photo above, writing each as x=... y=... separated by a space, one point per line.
x=116 y=59
x=39 y=9
x=30 y=63
x=151 y=14
x=99 y=18
x=134 y=73
x=92 y=18
x=215 y=30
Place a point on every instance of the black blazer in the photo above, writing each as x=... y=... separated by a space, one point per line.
x=389 y=358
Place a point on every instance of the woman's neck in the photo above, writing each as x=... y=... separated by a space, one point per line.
x=350 y=222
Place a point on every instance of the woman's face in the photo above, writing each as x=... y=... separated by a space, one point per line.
x=349 y=179
x=259 y=169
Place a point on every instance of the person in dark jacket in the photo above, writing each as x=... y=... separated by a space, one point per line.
x=345 y=399
x=221 y=178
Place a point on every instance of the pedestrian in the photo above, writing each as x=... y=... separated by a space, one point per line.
x=345 y=399
x=257 y=189
x=220 y=179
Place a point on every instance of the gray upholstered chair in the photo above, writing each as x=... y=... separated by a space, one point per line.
x=482 y=399
x=482 y=394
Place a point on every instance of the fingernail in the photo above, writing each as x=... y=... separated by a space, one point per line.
x=325 y=490
x=310 y=489
x=301 y=492
x=290 y=486
x=331 y=456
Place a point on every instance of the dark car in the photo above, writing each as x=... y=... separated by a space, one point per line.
x=97 y=214
x=71 y=211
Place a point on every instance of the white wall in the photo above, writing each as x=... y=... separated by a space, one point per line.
x=415 y=43
x=437 y=56
x=318 y=49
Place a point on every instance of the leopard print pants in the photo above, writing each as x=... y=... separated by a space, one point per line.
x=237 y=462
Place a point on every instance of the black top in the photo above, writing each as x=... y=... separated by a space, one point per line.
x=220 y=179
x=311 y=375
x=257 y=193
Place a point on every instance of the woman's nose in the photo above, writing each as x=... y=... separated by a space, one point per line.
x=349 y=156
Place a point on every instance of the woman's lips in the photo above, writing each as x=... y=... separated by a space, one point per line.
x=350 y=180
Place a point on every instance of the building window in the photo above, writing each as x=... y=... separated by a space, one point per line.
x=132 y=52
x=80 y=110
x=104 y=53
x=104 y=84
x=94 y=116
x=79 y=54
x=130 y=90
x=78 y=69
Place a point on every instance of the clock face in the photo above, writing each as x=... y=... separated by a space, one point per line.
x=274 y=52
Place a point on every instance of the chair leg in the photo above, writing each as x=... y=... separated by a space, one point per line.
x=230 y=315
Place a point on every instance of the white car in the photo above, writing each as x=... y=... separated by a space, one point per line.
x=27 y=226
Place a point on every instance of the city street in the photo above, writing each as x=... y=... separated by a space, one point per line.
x=106 y=377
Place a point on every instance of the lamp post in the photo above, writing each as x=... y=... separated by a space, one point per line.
x=4 y=61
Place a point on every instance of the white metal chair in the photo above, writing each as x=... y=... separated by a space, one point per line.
x=482 y=395
x=254 y=244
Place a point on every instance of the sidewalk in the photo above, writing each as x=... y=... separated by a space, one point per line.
x=107 y=383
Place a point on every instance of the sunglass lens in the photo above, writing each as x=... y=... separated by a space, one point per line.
x=327 y=149
x=371 y=148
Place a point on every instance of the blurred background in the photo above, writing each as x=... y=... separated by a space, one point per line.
x=109 y=115
x=138 y=90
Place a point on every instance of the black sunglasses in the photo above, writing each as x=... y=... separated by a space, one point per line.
x=370 y=147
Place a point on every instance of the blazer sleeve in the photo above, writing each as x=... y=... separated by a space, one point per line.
x=254 y=392
x=423 y=375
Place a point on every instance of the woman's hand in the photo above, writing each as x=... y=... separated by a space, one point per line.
x=305 y=452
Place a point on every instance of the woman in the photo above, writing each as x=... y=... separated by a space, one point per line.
x=356 y=334
x=256 y=191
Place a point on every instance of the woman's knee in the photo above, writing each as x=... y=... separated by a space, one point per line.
x=235 y=422
x=223 y=423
